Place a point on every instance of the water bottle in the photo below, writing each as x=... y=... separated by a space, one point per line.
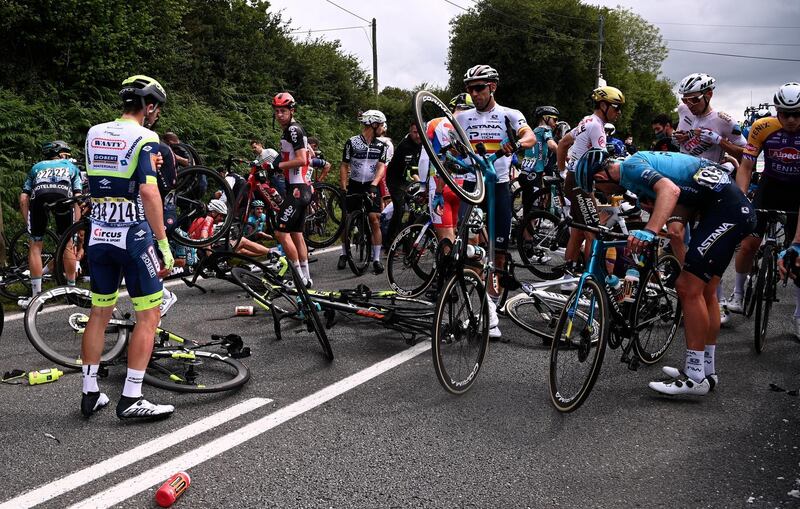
x=475 y=252
x=169 y=492
x=615 y=284
x=630 y=285
x=44 y=376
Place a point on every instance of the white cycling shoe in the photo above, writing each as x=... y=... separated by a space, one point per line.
x=681 y=384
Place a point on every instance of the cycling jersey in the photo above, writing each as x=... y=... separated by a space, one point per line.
x=589 y=133
x=781 y=150
x=716 y=121
x=438 y=133
x=536 y=157
x=54 y=178
x=389 y=147
x=363 y=157
x=491 y=128
x=259 y=222
x=294 y=138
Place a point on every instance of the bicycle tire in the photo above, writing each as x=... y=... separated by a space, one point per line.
x=325 y=217
x=266 y=293
x=20 y=248
x=53 y=314
x=661 y=284
x=411 y=269
x=590 y=347
x=310 y=315
x=463 y=336
x=765 y=290
x=533 y=315
x=194 y=189
x=358 y=241
x=428 y=107
x=232 y=373
x=76 y=240
x=16 y=284
x=537 y=252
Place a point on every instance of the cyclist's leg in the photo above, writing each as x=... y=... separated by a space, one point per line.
x=37 y=225
x=503 y=213
x=64 y=215
x=106 y=274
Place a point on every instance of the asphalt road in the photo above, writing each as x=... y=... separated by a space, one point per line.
x=375 y=429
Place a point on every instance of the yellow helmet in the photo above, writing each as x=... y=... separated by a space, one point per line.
x=608 y=94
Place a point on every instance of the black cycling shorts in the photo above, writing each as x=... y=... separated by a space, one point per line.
x=724 y=222
x=354 y=191
x=774 y=194
x=502 y=212
x=292 y=214
x=39 y=215
x=571 y=191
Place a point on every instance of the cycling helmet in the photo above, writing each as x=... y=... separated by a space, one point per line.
x=787 y=97
x=608 y=94
x=258 y=203
x=142 y=88
x=588 y=166
x=481 y=72
x=462 y=101
x=284 y=100
x=541 y=111
x=561 y=130
x=610 y=129
x=218 y=206
x=696 y=82
x=370 y=117
x=54 y=148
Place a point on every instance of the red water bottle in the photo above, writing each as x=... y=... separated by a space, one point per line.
x=169 y=492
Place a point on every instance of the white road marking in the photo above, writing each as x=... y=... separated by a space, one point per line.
x=125 y=490
x=98 y=470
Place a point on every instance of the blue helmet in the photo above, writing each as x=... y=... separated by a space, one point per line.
x=592 y=162
x=258 y=203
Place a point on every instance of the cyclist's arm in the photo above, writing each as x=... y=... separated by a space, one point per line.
x=380 y=171
x=300 y=159
x=344 y=169
x=667 y=194
x=552 y=145
x=732 y=148
x=527 y=138
x=562 y=149
x=24 y=205
x=744 y=174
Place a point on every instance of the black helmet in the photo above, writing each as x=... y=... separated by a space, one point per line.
x=142 y=88
x=546 y=110
x=54 y=148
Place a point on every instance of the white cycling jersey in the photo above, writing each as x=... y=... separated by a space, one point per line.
x=491 y=128
x=716 y=121
x=588 y=134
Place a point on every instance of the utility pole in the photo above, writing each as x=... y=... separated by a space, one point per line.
x=375 y=58
x=600 y=81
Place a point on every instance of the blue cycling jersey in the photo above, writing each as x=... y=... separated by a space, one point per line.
x=694 y=176
x=536 y=157
x=53 y=177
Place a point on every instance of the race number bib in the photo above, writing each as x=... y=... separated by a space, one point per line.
x=114 y=211
x=712 y=177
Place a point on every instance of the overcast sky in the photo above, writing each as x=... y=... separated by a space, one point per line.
x=413 y=39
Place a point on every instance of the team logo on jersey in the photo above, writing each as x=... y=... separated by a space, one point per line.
x=108 y=144
x=105 y=184
x=715 y=235
x=786 y=155
x=105 y=161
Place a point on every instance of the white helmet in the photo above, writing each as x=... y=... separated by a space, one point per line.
x=218 y=206
x=788 y=97
x=370 y=117
x=696 y=82
x=270 y=155
x=481 y=72
x=610 y=129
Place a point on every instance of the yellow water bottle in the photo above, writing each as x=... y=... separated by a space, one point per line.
x=44 y=376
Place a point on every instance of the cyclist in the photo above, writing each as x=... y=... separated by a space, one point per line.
x=663 y=130
x=48 y=182
x=662 y=180
x=363 y=167
x=203 y=228
x=397 y=178
x=536 y=158
x=588 y=134
x=258 y=220
x=127 y=214
x=779 y=186
x=615 y=146
x=269 y=154
x=295 y=161
x=490 y=124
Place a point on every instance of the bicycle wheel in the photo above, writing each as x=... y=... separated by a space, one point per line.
x=764 y=293
x=533 y=315
x=460 y=332
x=411 y=263
x=20 y=248
x=266 y=292
x=196 y=186
x=657 y=311
x=538 y=240
x=55 y=320
x=310 y=316
x=579 y=343
x=358 y=241
x=72 y=249
x=16 y=282
x=324 y=216
x=194 y=371
x=452 y=157
x=517 y=209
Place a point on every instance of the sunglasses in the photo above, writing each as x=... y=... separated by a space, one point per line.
x=616 y=107
x=477 y=88
x=692 y=100
x=548 y=118
x=789 y=114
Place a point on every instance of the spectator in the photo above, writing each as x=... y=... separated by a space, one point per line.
x=663 y=129
x=262 y=154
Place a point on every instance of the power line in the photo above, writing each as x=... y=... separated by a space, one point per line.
x=325 y=29
x=736 y=56
x=730 y=42
x=723 y=26
x=349 y=12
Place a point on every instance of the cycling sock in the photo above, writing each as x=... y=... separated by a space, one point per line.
x=708 y=360
x=133 y=384
x=796 y=302
x=304 y=269
x=90 y=378
x=738 y=288
x=70 y=282
x=36 y=286
x=694 y=368
x=166 y=294
x=376 y=253
x=299 y=270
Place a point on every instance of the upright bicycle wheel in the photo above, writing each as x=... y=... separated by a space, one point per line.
x=71 y=257
x=411 y=263
x=749 y=303
x=310 y=316
x=20 y=247
x=764 y=295
x=358 y=241
x=196 y=186
x=657 y=310
x=579 y=343
x=447 y=146
x=534 y=315
x=193 y=370
x=324 y=216
x=539 y=243
x=55 y=321
x=460 y=332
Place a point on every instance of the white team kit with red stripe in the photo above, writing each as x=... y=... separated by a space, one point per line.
x=588 y=134
x=294 y=138
x=716 y=121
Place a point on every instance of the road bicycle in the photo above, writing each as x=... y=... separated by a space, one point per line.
x=358 y=234
x=324 y=216
x=55 y=323
x=15 y=278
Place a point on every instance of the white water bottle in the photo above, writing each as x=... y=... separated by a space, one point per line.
x=475 y=252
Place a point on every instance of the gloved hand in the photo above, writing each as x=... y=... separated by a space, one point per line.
x=166 y=254
x=316 y=162
x=709 y=136
x=639 y=239
x=438 y=204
